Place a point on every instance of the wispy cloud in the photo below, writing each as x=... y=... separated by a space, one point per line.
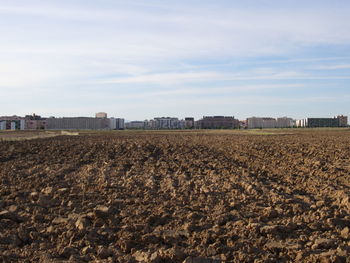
x=202 y=77
x=175 y=49
x=331 y=67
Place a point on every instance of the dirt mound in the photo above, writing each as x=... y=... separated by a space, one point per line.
x=176 y=198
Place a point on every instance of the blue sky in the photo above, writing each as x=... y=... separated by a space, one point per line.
x=142 y=59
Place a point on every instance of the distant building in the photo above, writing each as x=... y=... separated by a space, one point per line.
x=12 y=123
x=285 y=122
x=159 y=123
x=343 y=120
x=78 y=123
x=243 y=124
x=116 y=124
x=339 y=121
x=2 y=125
x=34 y=122
x=101 y=115
x=189 y=123
x=218 y=122
x=269 y=123
x=169 y=123
x=254 y=123
x=135 y=125
x=322 y=122
x=261 y=123
x=150 y=124
x=301 y=123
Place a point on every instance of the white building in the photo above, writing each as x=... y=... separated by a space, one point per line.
x=117 y=124
x=157 y=124
x=22 y=124
x=269 y=123
x=254 y=123
x=169 y=123
x=261 y=123
x=285 y=122
x=301 y=123
x=2 y=125
x=150 y=124
x=12 y=123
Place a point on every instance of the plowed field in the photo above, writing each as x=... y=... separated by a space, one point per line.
x=176 y=197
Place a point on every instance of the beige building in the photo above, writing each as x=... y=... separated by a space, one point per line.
x=284 y=122
x=261 y=123
x=101 y=115
x=269 y=123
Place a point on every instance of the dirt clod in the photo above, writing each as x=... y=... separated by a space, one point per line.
x=193 y=197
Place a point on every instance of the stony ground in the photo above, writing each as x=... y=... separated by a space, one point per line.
x=176 y=197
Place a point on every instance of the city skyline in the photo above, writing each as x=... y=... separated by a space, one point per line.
x=190 y=58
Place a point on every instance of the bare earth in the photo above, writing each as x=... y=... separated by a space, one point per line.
x=218 y=196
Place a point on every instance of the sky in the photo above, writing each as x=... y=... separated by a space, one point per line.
x=142 y=59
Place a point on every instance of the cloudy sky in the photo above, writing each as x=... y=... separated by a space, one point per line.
x=145 y=58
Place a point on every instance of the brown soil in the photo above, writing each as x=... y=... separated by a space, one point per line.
x=176 y=197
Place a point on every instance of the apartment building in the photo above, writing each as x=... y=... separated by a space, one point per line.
x=135 y=125
x=301 y=123
x=169 y=123
x=322 y=122
x=150 y=124
x=339 y=121
x=189 y=122
x=261 y=123
x=218 y=122
x=12 y=123
x=342 y=120
x=78 y=123
x=269 y=123
x=285 y=122
x=116 y=124
x=34 y=122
